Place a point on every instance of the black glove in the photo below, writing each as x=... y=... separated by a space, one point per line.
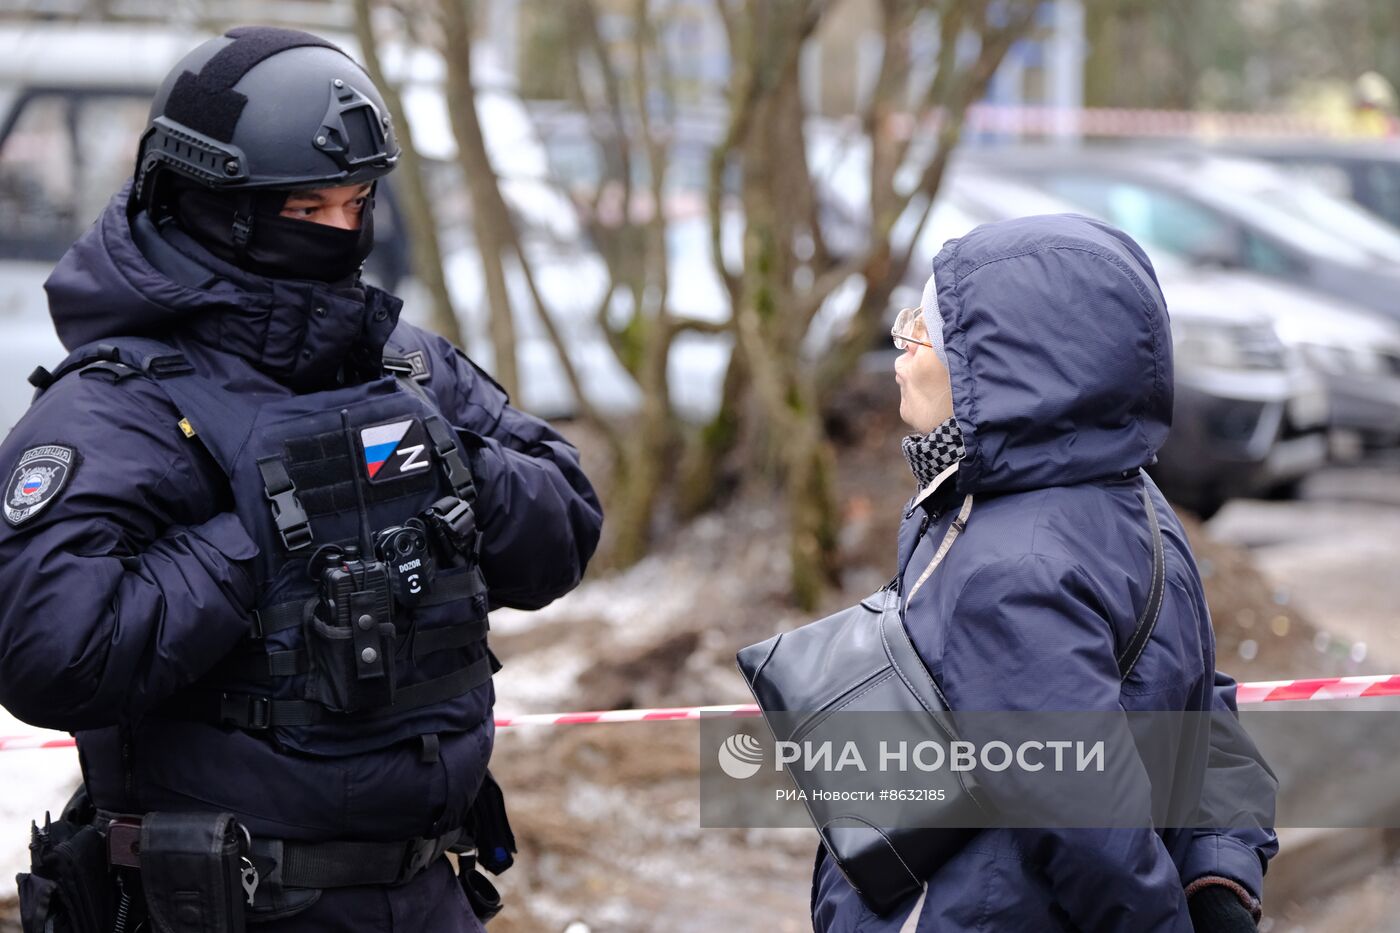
x=1217 y=909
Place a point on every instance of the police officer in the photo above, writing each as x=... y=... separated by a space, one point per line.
x=253 y=523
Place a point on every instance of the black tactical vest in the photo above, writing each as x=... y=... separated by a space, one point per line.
x=370 y=627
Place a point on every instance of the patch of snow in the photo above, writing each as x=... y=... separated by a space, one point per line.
x=31 y=781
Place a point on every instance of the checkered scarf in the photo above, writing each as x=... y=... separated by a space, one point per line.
x=934 y=452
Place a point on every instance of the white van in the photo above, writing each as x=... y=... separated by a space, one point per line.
x=70 y=115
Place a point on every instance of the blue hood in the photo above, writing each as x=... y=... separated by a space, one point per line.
x=296 y=331
x=1059 y=350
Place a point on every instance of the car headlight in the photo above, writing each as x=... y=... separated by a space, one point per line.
x=1223 y=345
x=1350 y=361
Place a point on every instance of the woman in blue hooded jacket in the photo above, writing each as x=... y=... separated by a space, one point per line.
x=1038 y=377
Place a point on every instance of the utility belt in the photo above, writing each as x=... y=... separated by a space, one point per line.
x=200 y=872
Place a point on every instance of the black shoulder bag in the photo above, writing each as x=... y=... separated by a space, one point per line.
x=859 y=660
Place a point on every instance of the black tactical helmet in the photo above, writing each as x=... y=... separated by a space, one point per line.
x=261 y=107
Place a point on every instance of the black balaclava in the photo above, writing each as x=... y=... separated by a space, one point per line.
x=276 y=246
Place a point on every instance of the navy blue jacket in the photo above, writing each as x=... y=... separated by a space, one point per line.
x=135 y=580
x=1059 y=351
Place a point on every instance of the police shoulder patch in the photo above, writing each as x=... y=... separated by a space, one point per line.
x=38 y=479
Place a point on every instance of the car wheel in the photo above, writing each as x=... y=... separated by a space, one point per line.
x=1206 y=507
x=1284 y=492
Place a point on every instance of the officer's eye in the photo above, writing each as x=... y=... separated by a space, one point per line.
x=299 y=212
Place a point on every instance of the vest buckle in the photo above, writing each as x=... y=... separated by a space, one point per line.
x=450 y=456
x=455 y=522
x=244 y=711
x=417 y=855
x=293 y=526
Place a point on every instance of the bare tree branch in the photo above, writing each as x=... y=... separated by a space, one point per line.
x=953 y=91
x=743 y=99
x=692 y=325
x=656 y=153
x=423 y=234
x=587 y=410
x=614 y=147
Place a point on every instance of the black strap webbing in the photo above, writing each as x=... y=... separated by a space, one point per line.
x=282 y=616
x=261 y=667
x=343 y=864
x=251 y=711
x=450 y=456
x=459 y=477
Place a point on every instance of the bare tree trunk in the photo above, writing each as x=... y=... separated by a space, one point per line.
x=422 y=225
x=491 y=220
x=649 y=456
x=706 y=472
x=778 y=293
x=631 y=239
x=644 y=464
x=778 y=207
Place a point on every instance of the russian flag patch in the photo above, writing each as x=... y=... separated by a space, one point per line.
x=395 y=450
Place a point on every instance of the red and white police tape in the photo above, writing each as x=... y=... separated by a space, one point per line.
x=1247 y=694
x=1123 y=122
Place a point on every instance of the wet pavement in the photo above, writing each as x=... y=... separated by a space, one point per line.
x=1335 y=553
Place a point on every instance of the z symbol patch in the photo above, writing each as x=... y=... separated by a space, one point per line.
x=395 y=450
x=37 y=481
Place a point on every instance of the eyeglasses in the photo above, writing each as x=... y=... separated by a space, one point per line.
x=904 y=322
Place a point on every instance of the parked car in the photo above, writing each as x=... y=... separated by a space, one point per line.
x=1250 y=415
x=1356 y=351
x=1365 y=172
x=1227 y=213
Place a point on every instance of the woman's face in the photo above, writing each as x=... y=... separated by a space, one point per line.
x=925 y=391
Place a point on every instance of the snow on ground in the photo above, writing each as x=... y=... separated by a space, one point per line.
x=31 y=781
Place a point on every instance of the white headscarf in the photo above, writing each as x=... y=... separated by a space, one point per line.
x=933 y=319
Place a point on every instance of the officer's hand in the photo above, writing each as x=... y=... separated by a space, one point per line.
x=1217 y=909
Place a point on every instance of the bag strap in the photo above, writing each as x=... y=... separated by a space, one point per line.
x=1146 y=622
x=910 y=667
x=951 y=535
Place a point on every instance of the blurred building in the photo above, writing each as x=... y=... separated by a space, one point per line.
x=839 y=68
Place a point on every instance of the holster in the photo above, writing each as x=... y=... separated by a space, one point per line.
x=69 y=888
x=489 y=842
x=191 y=865
x=482 y=895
